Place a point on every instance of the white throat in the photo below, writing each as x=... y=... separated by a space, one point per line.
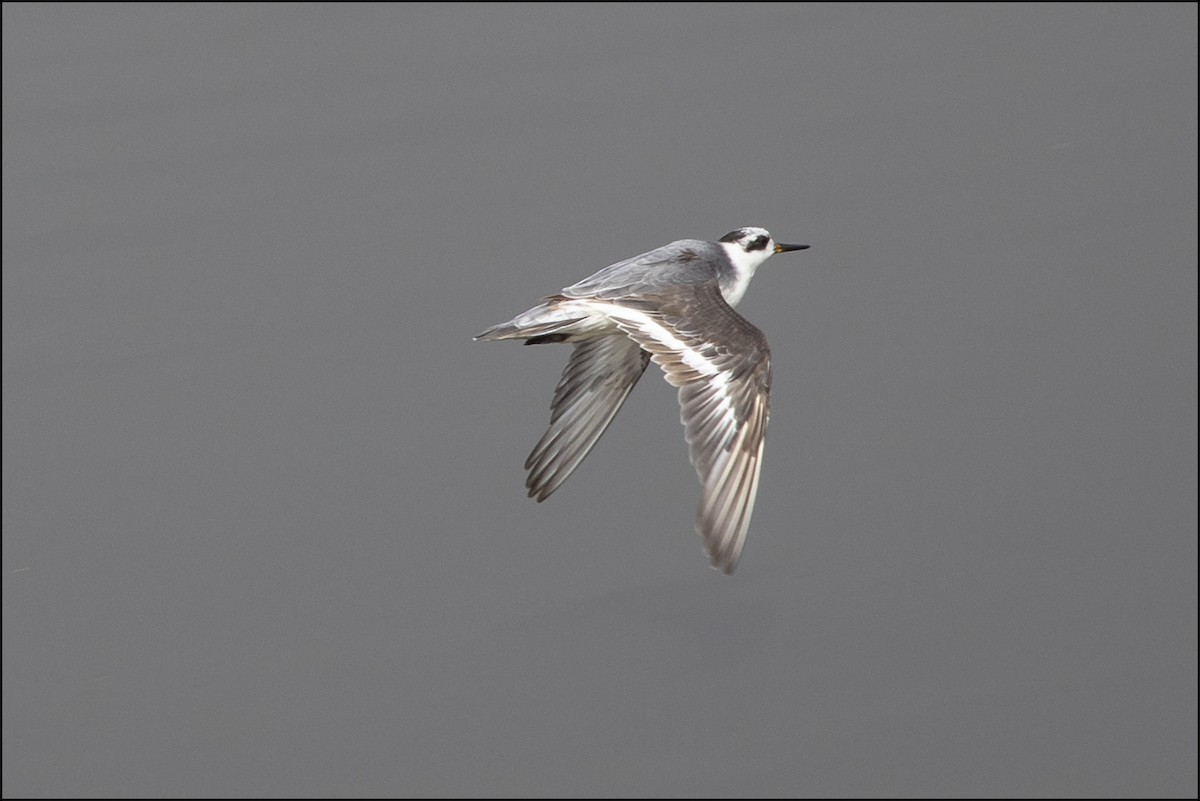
x=744 y=265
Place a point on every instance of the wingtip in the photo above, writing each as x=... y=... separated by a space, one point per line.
x=537 y=491
x=726 y=567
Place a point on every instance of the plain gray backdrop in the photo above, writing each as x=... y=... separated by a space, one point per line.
x=265 y=529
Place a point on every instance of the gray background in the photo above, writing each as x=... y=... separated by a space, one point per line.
x=264 y=523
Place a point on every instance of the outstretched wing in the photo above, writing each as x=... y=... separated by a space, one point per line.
x=595 y=383
x=722 y=367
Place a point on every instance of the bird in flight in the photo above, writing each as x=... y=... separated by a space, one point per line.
x=673 y=306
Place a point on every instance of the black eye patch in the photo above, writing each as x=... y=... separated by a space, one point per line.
x=757 y=243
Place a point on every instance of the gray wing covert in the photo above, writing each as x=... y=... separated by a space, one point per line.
x=687 y=261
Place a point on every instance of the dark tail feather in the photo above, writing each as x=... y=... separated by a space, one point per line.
x=546 y=339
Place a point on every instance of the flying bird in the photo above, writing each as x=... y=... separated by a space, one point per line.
x=673 y=306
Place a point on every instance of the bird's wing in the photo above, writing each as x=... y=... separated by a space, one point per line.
x=595 y=383
x=722 y=367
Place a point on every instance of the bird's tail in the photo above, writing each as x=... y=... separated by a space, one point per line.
x=540 y=321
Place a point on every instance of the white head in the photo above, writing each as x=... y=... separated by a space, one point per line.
x=747 y=249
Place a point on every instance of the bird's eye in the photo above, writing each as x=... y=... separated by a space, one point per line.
x=757 y=243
